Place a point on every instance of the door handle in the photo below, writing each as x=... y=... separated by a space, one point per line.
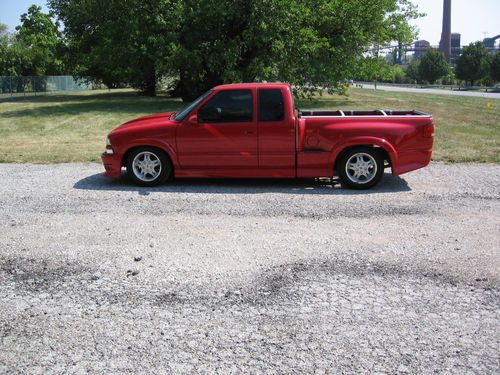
x=249 y=132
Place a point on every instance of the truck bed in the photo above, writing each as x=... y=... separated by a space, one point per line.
x=356 y=113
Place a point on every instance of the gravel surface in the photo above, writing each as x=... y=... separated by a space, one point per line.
x=218 y=276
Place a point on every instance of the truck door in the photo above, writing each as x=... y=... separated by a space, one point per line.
x=276 y=134
x=225 y=136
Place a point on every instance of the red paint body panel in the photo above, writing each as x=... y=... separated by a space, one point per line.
x=306 y=146
x=277 y=142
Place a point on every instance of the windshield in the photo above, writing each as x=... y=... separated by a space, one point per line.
x=182 y=114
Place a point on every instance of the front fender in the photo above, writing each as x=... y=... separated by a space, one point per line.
x=151 y=142
x=360 y=141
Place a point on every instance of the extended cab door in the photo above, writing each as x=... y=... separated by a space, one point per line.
x=276 y=133
x=225 y=135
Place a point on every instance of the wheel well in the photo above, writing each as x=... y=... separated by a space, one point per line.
x=131 y=149
x=383 y=151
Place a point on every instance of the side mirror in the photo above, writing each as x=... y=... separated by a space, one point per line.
x=193 y=120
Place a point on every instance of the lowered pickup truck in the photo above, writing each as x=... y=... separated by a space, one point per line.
x=253 y=130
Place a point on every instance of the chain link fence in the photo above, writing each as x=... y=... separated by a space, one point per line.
x=38 y=85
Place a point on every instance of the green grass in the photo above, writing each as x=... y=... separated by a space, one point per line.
x=69 y=127
x=72 y=127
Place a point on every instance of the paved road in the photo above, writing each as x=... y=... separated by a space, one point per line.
x=486 y=95
x=97 y=276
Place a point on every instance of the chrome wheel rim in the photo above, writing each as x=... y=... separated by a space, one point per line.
x=361 y=168
x=146 y=166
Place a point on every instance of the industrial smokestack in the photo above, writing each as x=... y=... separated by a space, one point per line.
x=445 y=43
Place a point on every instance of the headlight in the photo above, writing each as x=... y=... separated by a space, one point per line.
x=108 y=150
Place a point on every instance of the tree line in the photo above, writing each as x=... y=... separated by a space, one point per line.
x=475 y=64
x=188 y=46
x=192 y=45
x=36 y=48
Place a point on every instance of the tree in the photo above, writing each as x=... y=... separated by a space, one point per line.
x=41 y=38
x=398 y=74
x=308 y=43
x=474 y=63
x=413 y=70
x=4 y=43
x=119 y=42
x=4 y=58
x=374 y=69
x=495 y=68
x=433 y=66
x=4 y=49
x=202 y=43
x=13 y=54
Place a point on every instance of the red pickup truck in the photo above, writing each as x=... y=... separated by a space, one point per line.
x=253 y=130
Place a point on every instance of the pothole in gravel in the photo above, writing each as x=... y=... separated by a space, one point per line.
x=35 y=275
x=327 y=281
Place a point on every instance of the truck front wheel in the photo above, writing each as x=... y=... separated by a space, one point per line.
x=361 y=167
x=148 y=166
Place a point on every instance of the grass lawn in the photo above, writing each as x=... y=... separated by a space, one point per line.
x=73 y=127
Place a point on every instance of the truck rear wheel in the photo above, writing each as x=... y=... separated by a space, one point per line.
x=361 y=168
x=148 y=166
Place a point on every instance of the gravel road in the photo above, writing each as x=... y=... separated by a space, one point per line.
x=100 y=277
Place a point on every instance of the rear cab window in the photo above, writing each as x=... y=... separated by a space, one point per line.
x=271 y=105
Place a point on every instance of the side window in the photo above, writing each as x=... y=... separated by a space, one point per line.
x=228 y=106
x=271 y=105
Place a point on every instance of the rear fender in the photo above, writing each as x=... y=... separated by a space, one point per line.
x=363 y=141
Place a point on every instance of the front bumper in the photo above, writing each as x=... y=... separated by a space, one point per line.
x=112 y=165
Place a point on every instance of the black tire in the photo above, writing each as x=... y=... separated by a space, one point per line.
x=147 y=157
x=370 y=165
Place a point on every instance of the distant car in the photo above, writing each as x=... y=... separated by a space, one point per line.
x=253 y=130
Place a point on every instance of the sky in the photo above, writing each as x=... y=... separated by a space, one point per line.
x=11 y=10
x=471 y=18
